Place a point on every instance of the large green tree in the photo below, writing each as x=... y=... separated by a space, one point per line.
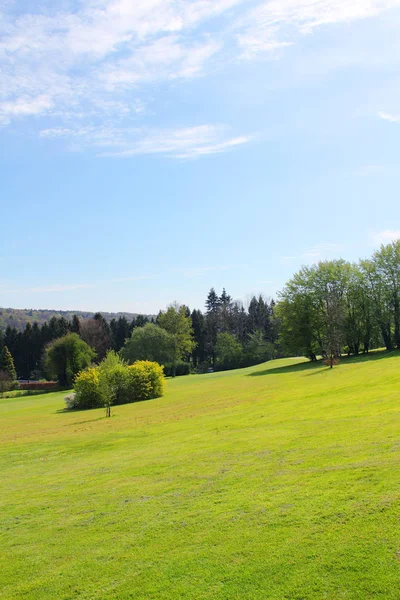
x=312 y=310
x=386 y=265
x=66 y=357
x=150 y=342
x=176 y=322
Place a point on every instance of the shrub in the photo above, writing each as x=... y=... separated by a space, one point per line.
x=182 y=368
x=113 y=382
x=71 y=401
x=87 y=389
x=146 y=380
x=6 y=383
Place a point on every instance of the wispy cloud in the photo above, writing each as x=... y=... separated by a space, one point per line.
x=389 y=117
x=97 y=63
x=190 y=142
x=55 y=288
x=314 y=253
x=384 y=237
x=48 y=289
x=274 y=24
x=67 y=287
x=196 y=271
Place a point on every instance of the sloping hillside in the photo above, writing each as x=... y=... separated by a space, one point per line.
x=277 y=482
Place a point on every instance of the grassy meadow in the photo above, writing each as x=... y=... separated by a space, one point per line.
x=280 y=481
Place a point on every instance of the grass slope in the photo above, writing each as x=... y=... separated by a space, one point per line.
x=277 y=482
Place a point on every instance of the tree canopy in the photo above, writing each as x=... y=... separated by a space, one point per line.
x=152 y=343
x=66 y=357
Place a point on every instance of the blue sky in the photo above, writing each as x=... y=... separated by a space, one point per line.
x=153 y=149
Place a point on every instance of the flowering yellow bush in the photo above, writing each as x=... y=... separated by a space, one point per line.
x=146 y=380
x=114 y=382
x=87 y=389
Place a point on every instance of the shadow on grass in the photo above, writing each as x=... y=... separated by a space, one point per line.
x=67 y=411
x=319 y=367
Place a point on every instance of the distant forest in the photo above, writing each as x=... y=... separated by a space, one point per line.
x=18 y=318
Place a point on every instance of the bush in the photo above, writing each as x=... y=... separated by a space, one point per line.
x=113 y=376
x=113 y=382
x=71 y=401
x=182 y=368
x=6 y=383
x=43 y=386
x=87 y=389
x=146 y=380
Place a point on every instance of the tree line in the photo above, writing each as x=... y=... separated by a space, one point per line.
x=326 y=309
x=225 y=335
x=27 y=347
x=338 y=307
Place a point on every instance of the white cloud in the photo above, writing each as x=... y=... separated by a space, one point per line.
x=98 y=62
x=274 y=23
x=189 y=142
x=389 y=117
x=385 y=237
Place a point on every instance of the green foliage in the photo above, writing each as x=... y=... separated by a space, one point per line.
x=152 y=343
x=7 y=363
x=181 y=368
x=257 y=349
x=88 y=393
x=6 y=383
x=146 y=380
x=177 y=323
x=66 y=357
x=114 y=382
x=228 y=351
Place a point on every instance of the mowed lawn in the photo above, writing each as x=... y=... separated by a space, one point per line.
x=277 y=482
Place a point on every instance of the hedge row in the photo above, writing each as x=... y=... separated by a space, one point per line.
x=39 y=385
x=182 y=368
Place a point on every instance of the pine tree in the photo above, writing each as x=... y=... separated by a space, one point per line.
x=75 y=324
x=213 y=305
x=7 y=363
x=225 y=302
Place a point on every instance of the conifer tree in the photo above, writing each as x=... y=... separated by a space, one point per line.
x=75 y=324
x=7 y=363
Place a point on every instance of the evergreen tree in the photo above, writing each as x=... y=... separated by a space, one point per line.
x=120 y=331
x=11 y=339
x=141 y=321
x=199 y=337
x=213 y=305
x=225 y=304
x=7 y=363
x=75 y=324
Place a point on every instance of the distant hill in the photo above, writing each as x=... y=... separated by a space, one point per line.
x=18 y=318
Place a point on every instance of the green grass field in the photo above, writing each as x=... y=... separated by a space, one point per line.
x=281 y=481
